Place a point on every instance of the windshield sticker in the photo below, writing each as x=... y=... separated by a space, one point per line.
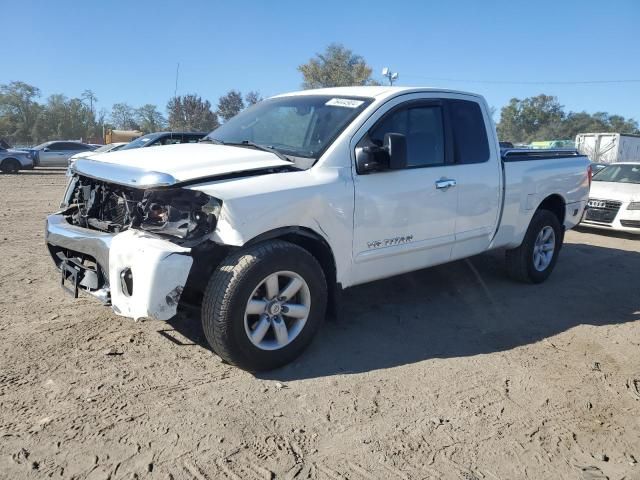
x=344 y=102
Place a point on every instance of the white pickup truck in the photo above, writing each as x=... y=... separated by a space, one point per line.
x=303 y=195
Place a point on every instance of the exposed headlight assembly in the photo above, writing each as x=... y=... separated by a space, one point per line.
x=634 y=206
x=184 y=214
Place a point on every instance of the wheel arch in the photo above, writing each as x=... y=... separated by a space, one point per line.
x=316 y=245
x=555 y=204
x=5 y=161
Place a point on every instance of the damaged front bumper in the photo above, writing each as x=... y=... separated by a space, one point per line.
x=139 y=274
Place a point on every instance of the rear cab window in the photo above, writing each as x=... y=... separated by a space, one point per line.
x=470 y=142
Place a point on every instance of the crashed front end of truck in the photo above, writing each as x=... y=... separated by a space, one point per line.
x=130 y=241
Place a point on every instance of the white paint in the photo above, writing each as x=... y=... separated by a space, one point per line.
x=158 y=267
x=621 y=192
x=187 y=161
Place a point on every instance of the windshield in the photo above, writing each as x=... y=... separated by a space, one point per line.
x=140 y=142
x=103 y=148
x=302 y=126
x=619 y=173
x=42 y=146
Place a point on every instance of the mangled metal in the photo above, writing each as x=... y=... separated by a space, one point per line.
x=110 y=240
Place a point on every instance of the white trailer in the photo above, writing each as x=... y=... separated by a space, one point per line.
x=609 y=147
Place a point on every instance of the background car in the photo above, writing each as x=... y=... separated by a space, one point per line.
x=596 y=166
x=164 y=138
x=111 y=147
x=614 y=200
x=57 y=153
x=12 y=160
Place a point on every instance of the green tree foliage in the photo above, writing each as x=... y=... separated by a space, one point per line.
x=191 y=113
x=230 y=104
x=150 y=119
x=18 y=111
x=64 y=118
x=252 y=98
x=123 y=116
x=337 y=66
x=543 y=118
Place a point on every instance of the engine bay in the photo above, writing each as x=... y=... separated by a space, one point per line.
x=176 y=212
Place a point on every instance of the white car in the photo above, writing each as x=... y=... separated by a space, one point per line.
x=110 y=147
x=614 y=200
x=301 y=196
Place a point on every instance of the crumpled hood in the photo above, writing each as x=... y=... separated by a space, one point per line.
x=622 y=192
x=182 y=163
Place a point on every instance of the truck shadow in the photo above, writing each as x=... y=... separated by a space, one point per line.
x=464 y=308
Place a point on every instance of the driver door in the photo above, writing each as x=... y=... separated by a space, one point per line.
x=53 y=155
x=405 y=219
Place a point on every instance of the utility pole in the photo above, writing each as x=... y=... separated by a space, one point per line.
x=391 y=76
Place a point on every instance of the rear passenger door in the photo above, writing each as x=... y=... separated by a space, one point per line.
x=477 y=171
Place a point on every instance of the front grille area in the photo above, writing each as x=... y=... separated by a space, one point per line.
x=602 y=211
x=630 y=223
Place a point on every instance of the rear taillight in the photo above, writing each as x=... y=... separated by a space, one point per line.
x=590 y=174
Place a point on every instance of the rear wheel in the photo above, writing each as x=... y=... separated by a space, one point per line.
x=10 y=165
x=534 y=260
x=264 y=304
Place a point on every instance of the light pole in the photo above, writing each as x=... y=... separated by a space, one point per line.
x=391 y=76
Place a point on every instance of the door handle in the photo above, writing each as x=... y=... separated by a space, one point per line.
x=445 y=183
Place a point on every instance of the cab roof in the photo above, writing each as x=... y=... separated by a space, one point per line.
x=380 y=92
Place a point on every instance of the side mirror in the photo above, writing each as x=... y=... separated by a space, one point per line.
x=46 y=149
x=371 y=159
x=396 y=146
x=391 y=156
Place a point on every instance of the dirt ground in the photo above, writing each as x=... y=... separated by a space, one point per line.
x=453 y=372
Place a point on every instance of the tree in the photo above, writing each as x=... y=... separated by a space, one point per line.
x=543 y=118
x=191 y=113
x=252 y=98
x=90 y=99
x=336 y=67
x=18 y=111
x=150 y=119
x=230 y=105
x=526 y=120
x=123 y=116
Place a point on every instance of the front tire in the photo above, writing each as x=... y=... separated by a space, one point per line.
x=10 y=165
x=534 y=260
x=264 y=304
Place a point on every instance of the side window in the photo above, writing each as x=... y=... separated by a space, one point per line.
x=424 y=130
x=171 y=140
x=470 y=143
x=67 y=147
x=56 y=147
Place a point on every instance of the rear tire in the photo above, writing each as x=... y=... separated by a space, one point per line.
x=534 y=260
x=253 y=316
x=10 y=165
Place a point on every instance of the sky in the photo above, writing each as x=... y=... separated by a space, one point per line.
x=128 y=51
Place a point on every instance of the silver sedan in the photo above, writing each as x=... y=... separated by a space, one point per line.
x=12 y=160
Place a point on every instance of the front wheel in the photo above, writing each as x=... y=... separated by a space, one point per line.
x=263 y=305
x=10 y=165
x=534 y=260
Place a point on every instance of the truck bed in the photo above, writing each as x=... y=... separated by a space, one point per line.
x=527 y=154
x=530 y=177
